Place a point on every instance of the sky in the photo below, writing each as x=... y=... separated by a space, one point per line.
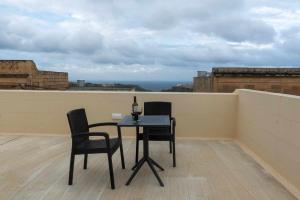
x=149 y=40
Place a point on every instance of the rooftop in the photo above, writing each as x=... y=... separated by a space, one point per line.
x=241 y=145
x=37 y=168
x=14 y=61
x=256 y=71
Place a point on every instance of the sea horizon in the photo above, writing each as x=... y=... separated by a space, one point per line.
x=148 y=85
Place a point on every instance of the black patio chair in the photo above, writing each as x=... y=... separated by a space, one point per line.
x=82 y=144
x=158 y=133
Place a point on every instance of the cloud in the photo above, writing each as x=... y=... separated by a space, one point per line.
x=237 y=29
x=29 y=34
x=291 y=41
x=146 y=39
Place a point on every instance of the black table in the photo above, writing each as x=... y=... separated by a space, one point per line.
x=146 y=121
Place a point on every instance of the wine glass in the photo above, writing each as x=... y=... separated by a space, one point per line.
x=138 y=111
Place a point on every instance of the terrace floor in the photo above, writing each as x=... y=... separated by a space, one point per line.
x=35 y=167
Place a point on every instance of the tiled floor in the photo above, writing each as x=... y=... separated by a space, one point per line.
x=37 y=168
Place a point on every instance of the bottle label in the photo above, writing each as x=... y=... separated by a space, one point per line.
x=135 y=108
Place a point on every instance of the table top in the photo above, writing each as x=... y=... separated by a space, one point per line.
x=148 y=120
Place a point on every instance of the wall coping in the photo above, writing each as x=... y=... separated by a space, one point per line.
x=267 y=93
x=118 y=92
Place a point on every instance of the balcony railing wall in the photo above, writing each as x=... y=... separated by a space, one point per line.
x=44 y=112
x=266 y=123
x=269 y=125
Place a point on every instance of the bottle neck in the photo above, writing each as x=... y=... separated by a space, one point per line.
x=134 y=105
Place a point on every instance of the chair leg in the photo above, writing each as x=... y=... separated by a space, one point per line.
x=170 y=146
x=85 y=161
x=122 y=156
x=137 y=150
x=71 y=169
x=174 y=153
x=111 y=171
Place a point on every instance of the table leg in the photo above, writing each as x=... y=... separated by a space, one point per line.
x=134 y=166
x=147 y=159
x=146 y=144
x=121 y=147
x=156 y=164
x=155 y=173
x=138 y=166
x=137 y=129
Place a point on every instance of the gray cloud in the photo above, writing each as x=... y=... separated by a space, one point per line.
x=291 y=41
x=236 y=29
x=28 y=34
x=126 y=38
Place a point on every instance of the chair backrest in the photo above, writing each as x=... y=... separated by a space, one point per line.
x=78 y=123
x=157 y=108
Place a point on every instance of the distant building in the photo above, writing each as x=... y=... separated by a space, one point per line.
x=202 y=83
x=23 y=74
x=227 y=79
x=80 y=83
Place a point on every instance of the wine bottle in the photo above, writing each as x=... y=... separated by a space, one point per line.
x=134 y=105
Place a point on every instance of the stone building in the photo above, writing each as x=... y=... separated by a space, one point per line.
x=23 y=74
x=202 y=83
x=227 y=79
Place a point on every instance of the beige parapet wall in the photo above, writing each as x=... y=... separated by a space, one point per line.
x=44 y=112
x=269 y=125
x=266 y=123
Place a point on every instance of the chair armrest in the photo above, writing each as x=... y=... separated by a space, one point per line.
x=103 y=124
x=173 y=120
x=84 y=134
